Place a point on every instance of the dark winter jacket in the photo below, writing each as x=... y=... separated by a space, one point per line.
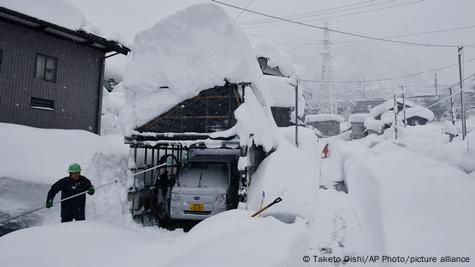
x=70 y=187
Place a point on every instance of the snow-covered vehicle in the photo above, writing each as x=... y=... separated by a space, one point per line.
x=207 y=185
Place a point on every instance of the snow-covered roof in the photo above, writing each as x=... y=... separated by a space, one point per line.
x=419 y=111
x=60 y=17
x=277 y=57
x=188 y=52
x=324 y=117
x=372 y=124
x=60 y=12
x=388 y=105
x=283 y=92
x=358 y=117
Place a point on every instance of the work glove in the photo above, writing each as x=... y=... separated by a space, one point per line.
x=49 y=203
x=91 y=190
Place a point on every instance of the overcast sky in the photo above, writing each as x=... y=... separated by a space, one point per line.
x=353 y=58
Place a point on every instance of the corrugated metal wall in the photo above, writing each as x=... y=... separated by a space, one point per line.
x=76 y=93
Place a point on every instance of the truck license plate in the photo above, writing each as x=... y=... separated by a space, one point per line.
x=197 y=207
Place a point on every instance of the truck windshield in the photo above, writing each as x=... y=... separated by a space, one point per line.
x=204 y=174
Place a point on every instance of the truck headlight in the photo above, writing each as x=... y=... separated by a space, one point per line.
x=221 y=198
x=175 y=196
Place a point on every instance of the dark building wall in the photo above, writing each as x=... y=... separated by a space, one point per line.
x=76 y=93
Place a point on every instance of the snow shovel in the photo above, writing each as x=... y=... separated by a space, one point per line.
x=57 y=202
x=277 y=200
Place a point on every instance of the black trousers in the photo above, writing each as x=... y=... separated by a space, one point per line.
x=71 y=217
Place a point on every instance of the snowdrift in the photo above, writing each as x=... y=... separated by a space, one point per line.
x=400 y=196
x=195 y=49
x=220 y=240
x=291 y=174
x=43 y=155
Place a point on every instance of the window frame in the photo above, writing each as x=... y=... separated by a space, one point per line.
x=43 y=75
x=42 y=106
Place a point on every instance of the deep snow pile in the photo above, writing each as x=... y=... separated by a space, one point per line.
x=62 y=13
x=277 y=57
x=43 y=155
x=358 y=117
x=291 y=174
x=431 y=140
x=282 y=91
x=184 y=54
x=324 y=117
x=222 y=239
x=410 y=204
x=388 y=105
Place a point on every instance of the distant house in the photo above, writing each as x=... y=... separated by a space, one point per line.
x=283 y=94
x=51 y=76
x=327 y=124
x=364 y=106
x=357 y=121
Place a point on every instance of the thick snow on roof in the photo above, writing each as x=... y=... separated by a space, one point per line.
x=372 y=124
x=388 y=105
x=283 y=92
x=324 y=117
x=195 y=49
x=60 y=12
x=419 y=111
x=277 y=57
x=358 y=117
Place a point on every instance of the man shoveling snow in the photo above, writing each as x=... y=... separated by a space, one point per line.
x=74 y=184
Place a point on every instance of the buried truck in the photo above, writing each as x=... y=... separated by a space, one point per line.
x=207 y=169
x=205 y=186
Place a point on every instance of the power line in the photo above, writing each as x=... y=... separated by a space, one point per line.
x=338 y=31
x=391 y=36
x=390 y=78
x=242 y=11
x=320 y=13
x=343 y=15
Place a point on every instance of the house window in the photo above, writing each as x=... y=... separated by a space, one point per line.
x=46 y=67
x=41 y=103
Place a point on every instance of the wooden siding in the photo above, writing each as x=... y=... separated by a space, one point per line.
x=76 y=93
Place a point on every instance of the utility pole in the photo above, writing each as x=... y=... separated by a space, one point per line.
x=436 y=85
x=327 y=71
x=452 y=111
x=296 y=112
x=395 y=114
x=462 y=105
x=403 y=106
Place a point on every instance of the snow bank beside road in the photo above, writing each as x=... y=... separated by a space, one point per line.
x=411 y=204
x=43 y=155
x=231 y=238
x=291 y=174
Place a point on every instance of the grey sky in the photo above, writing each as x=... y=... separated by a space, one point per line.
x=355 y=60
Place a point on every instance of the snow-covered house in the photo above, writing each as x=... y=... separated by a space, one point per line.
x=388 y=105
x=414 y=114
x=327 y=124
x=51 y=73
x=283 y=100
x=357 y=125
